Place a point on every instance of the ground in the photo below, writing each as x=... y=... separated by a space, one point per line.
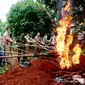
x=40 y=72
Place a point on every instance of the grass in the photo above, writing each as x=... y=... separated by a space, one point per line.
x=4 y=68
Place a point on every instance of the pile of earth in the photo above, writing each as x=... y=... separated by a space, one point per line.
x=39 y=73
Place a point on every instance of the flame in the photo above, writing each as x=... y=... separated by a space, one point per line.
x=65 y=60
x=77 y=52
x=64 y=23
x=64 y=40
x=67 y=7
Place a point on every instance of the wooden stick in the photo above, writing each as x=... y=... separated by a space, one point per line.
x=13 y=56
x=10 y=52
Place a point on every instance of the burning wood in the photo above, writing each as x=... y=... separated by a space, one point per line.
x=64 y=40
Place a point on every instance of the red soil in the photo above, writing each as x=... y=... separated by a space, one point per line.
x=40 y=73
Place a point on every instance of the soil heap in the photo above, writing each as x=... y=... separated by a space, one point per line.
x=39 y=73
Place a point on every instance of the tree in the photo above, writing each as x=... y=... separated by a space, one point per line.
x=2 y=27
x=29 y=16
x=78 y=12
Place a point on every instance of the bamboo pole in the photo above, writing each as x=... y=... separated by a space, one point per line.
x=10 y=52
x=14 y=56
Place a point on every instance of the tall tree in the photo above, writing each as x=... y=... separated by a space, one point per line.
x=29 y=16
x=59 y=8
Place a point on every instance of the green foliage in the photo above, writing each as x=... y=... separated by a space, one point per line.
x=51 y=8
x=51 y=3
x=77 y=3
x=4 y=69
x=2 y=27
x=29 y=16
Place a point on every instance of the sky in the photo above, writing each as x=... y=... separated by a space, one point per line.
x=5 y=7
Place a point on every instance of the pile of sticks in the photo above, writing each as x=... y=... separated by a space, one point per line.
x=66 y=78
x=41 y=46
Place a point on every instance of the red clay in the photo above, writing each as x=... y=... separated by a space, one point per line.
x=40 y=73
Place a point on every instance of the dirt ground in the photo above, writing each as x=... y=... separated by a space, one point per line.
x=39 y=73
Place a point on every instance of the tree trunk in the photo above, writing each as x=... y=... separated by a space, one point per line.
x=59 y=8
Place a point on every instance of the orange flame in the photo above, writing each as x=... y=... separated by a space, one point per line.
x=64 y=41
x=64 y=22
x=67 y=7
x=77 y=52
x=65 y=60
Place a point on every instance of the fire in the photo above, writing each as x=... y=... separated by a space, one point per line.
x=65 y=59
x=67 y=7
x=77 y=52
x=64 y=22
x=64 y=40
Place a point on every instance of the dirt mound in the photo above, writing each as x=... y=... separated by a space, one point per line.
x=39 y=73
